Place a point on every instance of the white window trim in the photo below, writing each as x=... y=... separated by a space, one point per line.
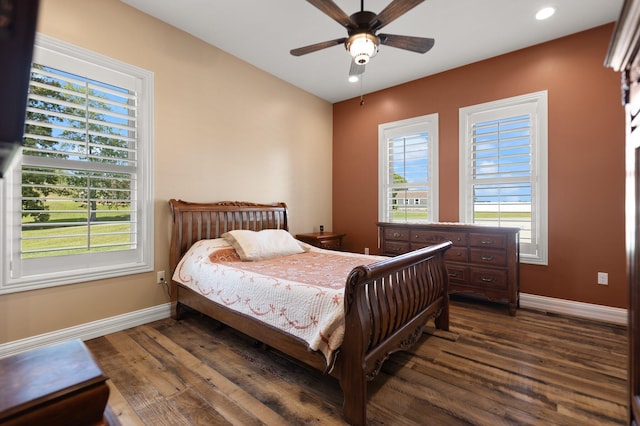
x=540 y=154
x=9 y=205
x=404 y=127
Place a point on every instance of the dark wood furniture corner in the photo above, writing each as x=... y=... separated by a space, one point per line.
x=18 y=19
x=623 y=57
x=483 y=260
x=325 y=240
x=56 y=385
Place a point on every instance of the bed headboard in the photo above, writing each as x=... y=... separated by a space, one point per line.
x=200 y=221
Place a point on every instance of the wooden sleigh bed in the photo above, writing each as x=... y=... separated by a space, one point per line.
x=386 y=303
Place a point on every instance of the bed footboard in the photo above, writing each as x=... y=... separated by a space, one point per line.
x=387 y=305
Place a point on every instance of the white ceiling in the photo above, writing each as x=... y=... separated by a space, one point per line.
x=263 y=32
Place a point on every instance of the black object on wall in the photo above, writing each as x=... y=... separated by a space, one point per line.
x=18 y=20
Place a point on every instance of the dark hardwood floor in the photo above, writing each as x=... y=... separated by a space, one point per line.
x=491 y=369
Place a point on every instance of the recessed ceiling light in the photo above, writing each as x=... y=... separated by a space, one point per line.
x=353 y=79
x=545 y=13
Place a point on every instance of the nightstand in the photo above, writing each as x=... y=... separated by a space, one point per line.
x=325 y=240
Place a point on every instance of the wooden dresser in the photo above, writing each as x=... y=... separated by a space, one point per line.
x=483 y=260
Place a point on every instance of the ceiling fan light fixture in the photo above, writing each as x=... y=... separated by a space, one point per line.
x=545 y=13
x=362 y=47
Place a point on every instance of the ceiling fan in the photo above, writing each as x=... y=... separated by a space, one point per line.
x=362 y=41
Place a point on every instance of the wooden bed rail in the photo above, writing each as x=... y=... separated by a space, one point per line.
x=387 y=304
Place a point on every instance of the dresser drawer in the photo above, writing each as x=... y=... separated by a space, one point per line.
x=395 y=247
x=330 y=244
x=401 y=234
x=489 y=278
x=436 y=237
x=487 y=240
x=458 y=273
x=488 y=257
x=454 y=254
x=457 y=254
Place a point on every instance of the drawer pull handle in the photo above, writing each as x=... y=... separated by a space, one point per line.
x=396 y=234
x=487 y=241
x=489 y=258
x=453 y=274
x=395 y=249
x=486 y=279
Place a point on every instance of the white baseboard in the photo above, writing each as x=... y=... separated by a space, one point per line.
x=88 y=330
x=121 y=322
x=576 y=309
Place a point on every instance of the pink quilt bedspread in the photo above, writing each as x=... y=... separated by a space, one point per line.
x=301 y=294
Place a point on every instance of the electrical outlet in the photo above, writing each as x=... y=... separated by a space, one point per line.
x=160 y=277
x=603 y=278
x=366 y=250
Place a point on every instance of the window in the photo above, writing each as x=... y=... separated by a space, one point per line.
x=78 y=202
x=503 y=169
x=408 y=170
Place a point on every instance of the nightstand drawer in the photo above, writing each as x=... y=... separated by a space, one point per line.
x=324 y=240
x=330 y=244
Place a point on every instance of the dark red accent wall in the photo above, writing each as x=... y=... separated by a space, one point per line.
x=586 y=157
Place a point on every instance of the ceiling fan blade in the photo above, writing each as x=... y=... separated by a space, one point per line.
x=329 y=8
x=315 y=47
x=356 y=69
x=393 y=11
x=414 y=44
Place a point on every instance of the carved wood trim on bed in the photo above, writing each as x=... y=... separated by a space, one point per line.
x=387 y=303
x=198 y=221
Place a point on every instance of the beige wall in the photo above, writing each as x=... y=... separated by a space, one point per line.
x=223 y=130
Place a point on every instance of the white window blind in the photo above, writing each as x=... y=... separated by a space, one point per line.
x=79 y=204
x=408 y=170
x=503 y=169
x=79 y=167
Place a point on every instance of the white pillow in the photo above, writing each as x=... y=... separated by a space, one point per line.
x=265 y=244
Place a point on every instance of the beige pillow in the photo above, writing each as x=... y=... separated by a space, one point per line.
x=265 y=244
